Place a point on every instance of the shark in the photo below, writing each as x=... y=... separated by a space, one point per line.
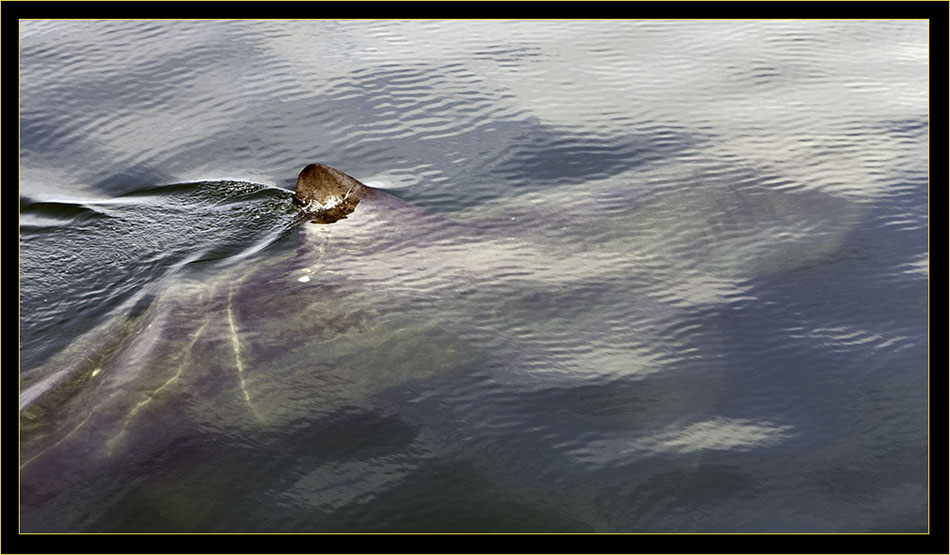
x=386 y=309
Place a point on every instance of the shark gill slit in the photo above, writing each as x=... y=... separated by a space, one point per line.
x=60 y=440
x=95 y=372
x=236 y=344
x=185 y=358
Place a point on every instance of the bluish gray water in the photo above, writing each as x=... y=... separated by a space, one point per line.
x=644 y=276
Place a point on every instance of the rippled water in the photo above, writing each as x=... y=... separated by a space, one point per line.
x=632 y=276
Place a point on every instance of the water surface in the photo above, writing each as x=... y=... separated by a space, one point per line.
x=648 y=276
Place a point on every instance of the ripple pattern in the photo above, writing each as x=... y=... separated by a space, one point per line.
x=634 y=276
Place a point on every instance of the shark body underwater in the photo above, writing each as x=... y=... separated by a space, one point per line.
x=390 y=335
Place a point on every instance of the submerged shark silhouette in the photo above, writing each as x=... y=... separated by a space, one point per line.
x=380 y=298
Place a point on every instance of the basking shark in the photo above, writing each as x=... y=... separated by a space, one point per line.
x=255 y=382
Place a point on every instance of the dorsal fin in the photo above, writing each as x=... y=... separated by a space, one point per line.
x=327 y=194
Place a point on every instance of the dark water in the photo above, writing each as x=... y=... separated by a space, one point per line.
x=643 y=277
